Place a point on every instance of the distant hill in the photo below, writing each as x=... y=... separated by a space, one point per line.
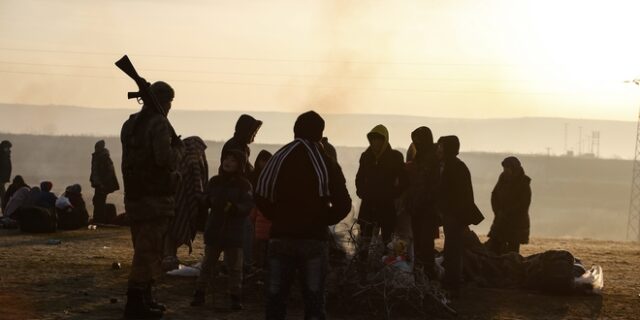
x=572 y=197
x=517 y=135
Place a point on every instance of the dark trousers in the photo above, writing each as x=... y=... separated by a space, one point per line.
x=424 y=233
x=148 y=243
x=99 y=201
x=307 y=258
x=453 y=254
x=2 y=192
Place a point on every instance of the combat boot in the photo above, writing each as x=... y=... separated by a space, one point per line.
x=236 y=303
x=151 y=302
x=137 y=308
x=198 y=298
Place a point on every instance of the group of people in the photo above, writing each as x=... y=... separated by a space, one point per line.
x=37 y=209
x=280 y=209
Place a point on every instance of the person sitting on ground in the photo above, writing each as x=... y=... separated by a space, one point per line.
x=17 y=200
x=510 y=201
x=46 y=199
x=5 y=169
x=230 y=199
x=76 y=216
x=18 y=182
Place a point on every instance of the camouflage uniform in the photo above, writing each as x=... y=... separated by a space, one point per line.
x=150 y=154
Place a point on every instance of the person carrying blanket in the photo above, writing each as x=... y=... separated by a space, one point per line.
x=302 y=191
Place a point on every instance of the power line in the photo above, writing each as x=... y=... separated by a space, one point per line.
x=282 y=60
x=304 y=86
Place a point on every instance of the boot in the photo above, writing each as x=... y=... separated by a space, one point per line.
x=198 y=298
x=236 y=304
x=136 y=308
x=153 y=304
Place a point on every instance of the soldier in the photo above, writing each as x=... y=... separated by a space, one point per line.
x=103 y=180
x=150 y=154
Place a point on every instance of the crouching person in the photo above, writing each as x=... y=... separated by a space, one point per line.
x=302 y=191
x=230 y=199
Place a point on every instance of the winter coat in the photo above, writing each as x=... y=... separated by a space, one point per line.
x=75 y=217
x=261 y=223
x=46 y=200
x=230 y=201
x=17 y=184
x=190 y=209
x=455 y=199
x=5 y=163
x=151 y=151
x=298 y=210
x=510 y=201
x=246 y=129
x=380 y=180
x=17 y=200
x=103 y=174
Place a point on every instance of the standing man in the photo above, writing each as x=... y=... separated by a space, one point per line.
x=103 y=180
x=457 y=207
x=245 y=132
x=150 y=154
x=379 y=182
x=302 y=191
x=5 y=168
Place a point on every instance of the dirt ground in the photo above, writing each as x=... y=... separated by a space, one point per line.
x=75 y=280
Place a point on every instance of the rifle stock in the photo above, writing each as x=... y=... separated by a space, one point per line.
x=144 y=87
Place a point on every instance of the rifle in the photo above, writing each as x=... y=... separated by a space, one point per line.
x=144 y=88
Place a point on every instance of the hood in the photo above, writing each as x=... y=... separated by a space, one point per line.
x=422 y=139
x=46 y=186
x=195 y=142
x=381 y=130
x=264 y=155
x=246 y=128
x=99 y=146
x=18 y=180
x=450 y=145
x=309 y=126
x=5 y=144
x=240 y=156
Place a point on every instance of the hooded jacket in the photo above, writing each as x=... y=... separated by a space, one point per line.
x=298 y=211
x=246 y=129
x=5 y=161
x=230 y=199
x=103 y=173
x=380 y=179
x=16 y=184
x=455 y=199
x=510 y=202
x=423 y=173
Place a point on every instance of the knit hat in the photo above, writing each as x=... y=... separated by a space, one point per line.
x=309 y=126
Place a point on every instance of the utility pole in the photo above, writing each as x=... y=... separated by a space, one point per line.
x=633 y=222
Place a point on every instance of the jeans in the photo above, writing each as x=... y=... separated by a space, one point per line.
x=99 y=201
x=233 y=259
x=453 y=254
x=307 y=258
x=249 y=232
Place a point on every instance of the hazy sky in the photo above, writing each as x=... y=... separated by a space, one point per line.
x=433 y=58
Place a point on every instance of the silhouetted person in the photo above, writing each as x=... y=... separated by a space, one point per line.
x=302 y=191
x=379 y=182
x=190 y=200
x=103 y=180
x=47 y=199
x=510 y=201
x=150 y=155
x=457 y=207
x=76 y=216
x=245 y=132
x=420 y=198
x=5 y=169
x=329 y=148
x=262 y=225
x=229 y=195
x=19 y=195
x=16 y=184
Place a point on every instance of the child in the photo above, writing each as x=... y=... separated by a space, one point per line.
x=229 y=196
x=261 y=224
